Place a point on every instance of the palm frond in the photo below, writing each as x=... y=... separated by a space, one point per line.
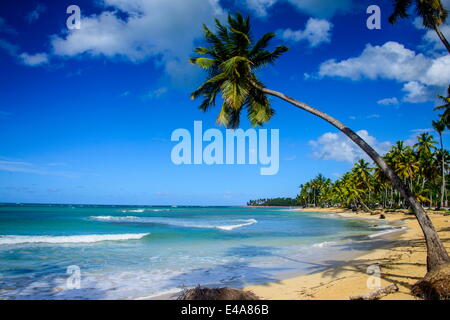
x=400 y=10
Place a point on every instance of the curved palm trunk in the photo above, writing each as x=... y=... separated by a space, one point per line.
x=442 y=37
x=436 y=253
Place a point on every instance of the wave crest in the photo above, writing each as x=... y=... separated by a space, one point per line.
x=16 y=239
x=178 y=223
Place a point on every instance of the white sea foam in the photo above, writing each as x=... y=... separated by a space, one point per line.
x=247 y=223
x=134 y=210
x=179 y=223
x=379 y=234
x=324 y=244
x=114 y=218
x=16 y=239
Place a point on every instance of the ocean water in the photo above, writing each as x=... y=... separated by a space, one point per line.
x=121 y=252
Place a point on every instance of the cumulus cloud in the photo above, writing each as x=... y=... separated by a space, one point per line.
x=158 y=29
x=338 y=147
x=388 y=101
x=424 y=76
x=415 y=92
x=316 y=31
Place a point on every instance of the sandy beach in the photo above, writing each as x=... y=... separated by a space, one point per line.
x=403 y=262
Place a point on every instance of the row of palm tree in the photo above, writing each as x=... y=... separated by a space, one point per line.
x=423 y=167
x=231 y=60
x=281 y=202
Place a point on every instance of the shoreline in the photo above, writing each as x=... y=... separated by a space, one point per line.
x=402 y=262
x=352 y=251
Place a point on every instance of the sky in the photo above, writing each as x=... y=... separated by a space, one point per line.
x=86 y=115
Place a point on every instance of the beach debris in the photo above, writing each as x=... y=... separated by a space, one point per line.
x=382 y=216
x=225 y=293
x=435 y=285
x=377 y=294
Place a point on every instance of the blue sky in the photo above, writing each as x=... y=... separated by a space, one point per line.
x=86 y=115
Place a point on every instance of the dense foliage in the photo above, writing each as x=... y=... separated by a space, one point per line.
x=420 y=166
x=284 y=202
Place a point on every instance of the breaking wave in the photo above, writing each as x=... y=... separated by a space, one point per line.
x=15 y=239
x=226 y=226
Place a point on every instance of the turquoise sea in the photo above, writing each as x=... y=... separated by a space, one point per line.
x=132 y=252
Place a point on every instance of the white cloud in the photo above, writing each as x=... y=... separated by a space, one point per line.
x=26 y=167
x=36 y=13
x=316 y=31
x=316 y=8
x=34 y=59
x=260 y=7
x=388 y=101
x=161 y=29
x=412 y=140
x=395 y=62
x=415 y=92
x=9 y=47
x=430 y=40
x=337 y=146
x=155 y=94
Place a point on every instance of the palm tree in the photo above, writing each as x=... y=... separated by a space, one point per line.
x=439 y=126
x=432 y=12
x=363 y=177
x=425 y=143
x=231 y=60
x=445 y=117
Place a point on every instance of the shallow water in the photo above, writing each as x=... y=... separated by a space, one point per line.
x=131 y=252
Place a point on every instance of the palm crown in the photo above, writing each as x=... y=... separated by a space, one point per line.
x=231 y=60
x=445 y=117
x=432 y=12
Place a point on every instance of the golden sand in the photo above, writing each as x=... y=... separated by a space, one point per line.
x=403 y=263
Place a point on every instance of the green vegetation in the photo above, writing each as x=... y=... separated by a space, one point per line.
x=231 y=60
x=422 y=167
x=432 y=12
x=280 y=202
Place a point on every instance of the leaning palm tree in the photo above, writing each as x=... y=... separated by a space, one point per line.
x=432 y=12
x=439 y=126
x=231 y=60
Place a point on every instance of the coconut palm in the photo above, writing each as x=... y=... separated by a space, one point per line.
x=231 y=60
x=439 y=126
x=445 y=117
x=432 y=12
x=425 y=144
